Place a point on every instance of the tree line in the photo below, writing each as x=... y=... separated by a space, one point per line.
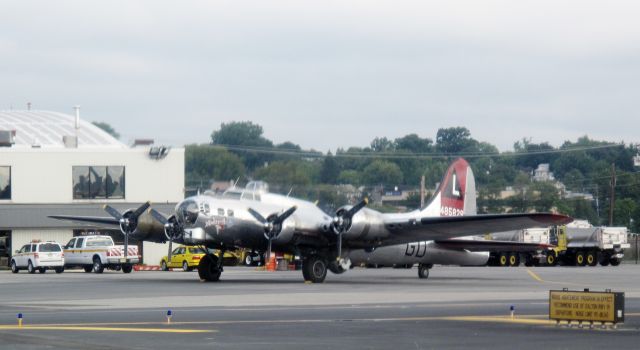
x=239 y=150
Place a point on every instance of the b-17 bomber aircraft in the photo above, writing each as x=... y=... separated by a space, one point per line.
x=262 y=221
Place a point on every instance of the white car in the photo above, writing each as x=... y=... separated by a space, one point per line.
x=39 y=256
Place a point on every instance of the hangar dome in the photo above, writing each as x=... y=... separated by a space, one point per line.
x=46 y=129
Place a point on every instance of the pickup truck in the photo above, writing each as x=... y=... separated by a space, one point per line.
x=95 y=253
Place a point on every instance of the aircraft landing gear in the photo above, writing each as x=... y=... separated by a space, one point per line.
x=210 y=268
x=314 y=269
x=423 y=270
x=339 y=266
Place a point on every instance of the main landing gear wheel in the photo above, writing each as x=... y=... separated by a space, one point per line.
x=209 y=268
x=314 y=269
x=423 y=270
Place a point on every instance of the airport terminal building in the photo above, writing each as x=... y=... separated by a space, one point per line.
x=55 y=163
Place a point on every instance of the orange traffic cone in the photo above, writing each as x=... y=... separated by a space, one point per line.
x=271 y=264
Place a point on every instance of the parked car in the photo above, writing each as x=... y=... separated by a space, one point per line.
x=39 y=256
x=183 y=257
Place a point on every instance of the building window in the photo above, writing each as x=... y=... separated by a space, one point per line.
x=5 y=182
x=98 y=182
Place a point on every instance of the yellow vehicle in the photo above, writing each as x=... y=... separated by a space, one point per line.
x=187 y=258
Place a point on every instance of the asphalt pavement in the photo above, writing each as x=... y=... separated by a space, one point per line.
x=360 y=309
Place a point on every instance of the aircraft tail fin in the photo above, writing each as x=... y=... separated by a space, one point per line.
x=456 y=194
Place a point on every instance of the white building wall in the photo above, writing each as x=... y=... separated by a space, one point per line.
x=22 y=237
x=153 y=252
x=45 y=175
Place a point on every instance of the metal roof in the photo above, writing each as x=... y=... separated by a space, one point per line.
x=46 y=129
x=33 y=216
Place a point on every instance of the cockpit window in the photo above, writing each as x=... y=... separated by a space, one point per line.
x=220 y=211
x=204 y=208
x=188 y=212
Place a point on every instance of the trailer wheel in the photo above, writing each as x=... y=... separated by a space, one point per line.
x=592 y=259
x=514 y=259
x=503 y=260
x=615 y=262
x=580 y=259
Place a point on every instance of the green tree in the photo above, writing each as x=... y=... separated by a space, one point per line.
x=107 y=128
x=382 y=172
x=205 y=163
x=330 y=171
x=454 y=140
x=350 y=177
x=246 y=135
x=414 y=143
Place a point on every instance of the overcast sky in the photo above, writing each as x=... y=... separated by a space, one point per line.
x=328 y=74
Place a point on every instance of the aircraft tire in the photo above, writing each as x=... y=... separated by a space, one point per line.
x=314 y=269
x=423 y=271
x=208 y=268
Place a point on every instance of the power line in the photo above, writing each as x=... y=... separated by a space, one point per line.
x=407 y=155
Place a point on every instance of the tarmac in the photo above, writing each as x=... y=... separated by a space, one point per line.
x=361 y=309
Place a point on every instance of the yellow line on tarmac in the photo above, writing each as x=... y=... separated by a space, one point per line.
x=105 y=329
x=534 y=276
x=500 y=319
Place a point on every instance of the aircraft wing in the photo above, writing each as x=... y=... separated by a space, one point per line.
x=445 y=227
x=492 y=246
x=99 y=221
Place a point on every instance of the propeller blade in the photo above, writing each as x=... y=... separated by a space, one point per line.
x=141 y=209
x=112 y=211
x=282 y=217
x=158 y=216
x=356 y=208
x=257 y=216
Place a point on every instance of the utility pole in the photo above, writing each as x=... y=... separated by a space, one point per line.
x=422 y=192
x=613 y=194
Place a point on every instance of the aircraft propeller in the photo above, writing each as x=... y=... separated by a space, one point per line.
x=342 y=221
x=128 y=221
x=172 y=228
x=272 y=224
